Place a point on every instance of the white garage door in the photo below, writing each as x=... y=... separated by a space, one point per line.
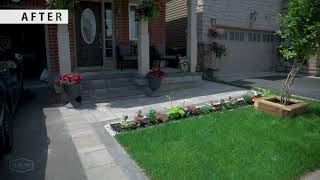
x=247 y=52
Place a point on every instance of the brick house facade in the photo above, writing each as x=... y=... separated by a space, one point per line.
x=121 y=28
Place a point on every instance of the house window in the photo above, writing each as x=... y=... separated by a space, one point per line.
x=250 y=36
x=237 y=36
x=232 y=36
x=108 y=29
x=133 y=24
x=241 y=36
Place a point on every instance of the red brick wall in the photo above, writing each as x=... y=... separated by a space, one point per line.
x=157 y=30
x=53 y=54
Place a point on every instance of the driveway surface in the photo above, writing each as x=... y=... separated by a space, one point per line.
x=306 y=86
x=41 y=137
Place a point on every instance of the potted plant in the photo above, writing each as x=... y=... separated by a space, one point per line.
x=70 y=83
x=148 y=9
x=155 y=78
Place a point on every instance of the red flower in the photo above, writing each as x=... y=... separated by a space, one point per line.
x=156 y=73
x=214 y=44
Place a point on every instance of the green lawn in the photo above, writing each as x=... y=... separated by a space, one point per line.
x=240 y=144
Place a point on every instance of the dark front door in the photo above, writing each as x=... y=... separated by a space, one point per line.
x=88 y=30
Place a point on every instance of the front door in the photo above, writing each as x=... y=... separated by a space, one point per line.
x=89 y=39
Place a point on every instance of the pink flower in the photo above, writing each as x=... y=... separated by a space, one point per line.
x=191 y=108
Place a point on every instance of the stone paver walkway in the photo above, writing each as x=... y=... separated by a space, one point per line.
x=102 y=157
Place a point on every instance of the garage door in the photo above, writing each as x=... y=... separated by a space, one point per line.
x=247 y=52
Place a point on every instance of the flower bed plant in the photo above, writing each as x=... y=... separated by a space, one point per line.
x=152 y=117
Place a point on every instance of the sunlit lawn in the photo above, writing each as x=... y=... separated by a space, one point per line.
x=240 y=144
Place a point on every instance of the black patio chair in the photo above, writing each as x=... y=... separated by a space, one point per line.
x=125 y=56
x=159 y=52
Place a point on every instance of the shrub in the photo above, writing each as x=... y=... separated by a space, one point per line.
x=152 y=116
x=204 y=109
x=176 y=112
x=139 y=119
x=229 y=104
x=248 y=99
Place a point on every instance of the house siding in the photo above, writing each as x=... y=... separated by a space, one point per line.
x=236 y=14
x=177 y=23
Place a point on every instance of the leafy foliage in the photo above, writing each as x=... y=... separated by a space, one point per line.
x=300 y=30
x=152 y=116
x=229 y=104
x=64 y=4
x=218 y=50
x=148 y=9
x=204 y=109
x=176 y=112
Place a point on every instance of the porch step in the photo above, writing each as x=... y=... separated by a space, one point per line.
x=105 y=95
x=101 y=86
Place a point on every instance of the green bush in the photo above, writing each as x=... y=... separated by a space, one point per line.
x=176 y=112
x=152 y=116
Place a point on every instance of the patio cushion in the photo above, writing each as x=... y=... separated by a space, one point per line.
x=130 y=58
x=168 y=57
x=123 y=49
x=159 y=50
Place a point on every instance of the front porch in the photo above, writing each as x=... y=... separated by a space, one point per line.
x=99 y=27
x=104 y=86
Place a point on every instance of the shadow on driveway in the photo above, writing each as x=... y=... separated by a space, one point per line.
x=41 y=137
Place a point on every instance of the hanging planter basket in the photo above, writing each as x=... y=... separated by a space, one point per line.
x=148 y=9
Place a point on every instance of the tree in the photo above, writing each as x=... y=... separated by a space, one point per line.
x=300 y=35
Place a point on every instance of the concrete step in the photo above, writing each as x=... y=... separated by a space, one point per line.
x=107 y=75
x=106 y=84
x=105 y=95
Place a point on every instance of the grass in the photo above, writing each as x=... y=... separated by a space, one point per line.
x=240 y=144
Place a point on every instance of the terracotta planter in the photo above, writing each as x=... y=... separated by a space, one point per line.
x=72 y=91
x=271 y=104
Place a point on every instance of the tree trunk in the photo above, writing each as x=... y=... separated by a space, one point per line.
x=286 y=86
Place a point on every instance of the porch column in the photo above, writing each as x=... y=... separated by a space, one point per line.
x=64 y=49
x=143 y=47
x=192 y=41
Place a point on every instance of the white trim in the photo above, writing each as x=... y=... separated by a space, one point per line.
x=129 y=5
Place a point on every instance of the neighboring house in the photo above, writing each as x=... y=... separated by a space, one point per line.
x=90 y=43
x=248 y=25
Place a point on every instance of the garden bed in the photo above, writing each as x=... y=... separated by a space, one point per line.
x=152 y=117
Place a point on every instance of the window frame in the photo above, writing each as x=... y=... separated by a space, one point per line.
x=130 y=35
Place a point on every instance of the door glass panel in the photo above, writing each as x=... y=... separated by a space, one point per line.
x=108 y=29
x=88 y=26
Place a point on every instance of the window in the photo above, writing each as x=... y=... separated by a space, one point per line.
x=108 y=29
x=133 y=24
x=237 y=36
x=241 y=36
x=249 y=36
x=231 y=35
x=258 y=37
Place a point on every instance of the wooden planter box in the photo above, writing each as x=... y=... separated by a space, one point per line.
x=271 y=104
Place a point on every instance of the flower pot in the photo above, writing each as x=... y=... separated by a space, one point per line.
x=154 y=83
x=72 y=91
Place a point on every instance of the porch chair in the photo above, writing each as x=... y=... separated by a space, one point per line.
x=125 y=56
x=159 y=52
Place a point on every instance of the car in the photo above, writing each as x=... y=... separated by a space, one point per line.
x=11 y=88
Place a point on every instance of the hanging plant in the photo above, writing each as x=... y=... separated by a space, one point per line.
x=64 y=4
x=215 y=32
x=218 y=50
x=148 y=9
